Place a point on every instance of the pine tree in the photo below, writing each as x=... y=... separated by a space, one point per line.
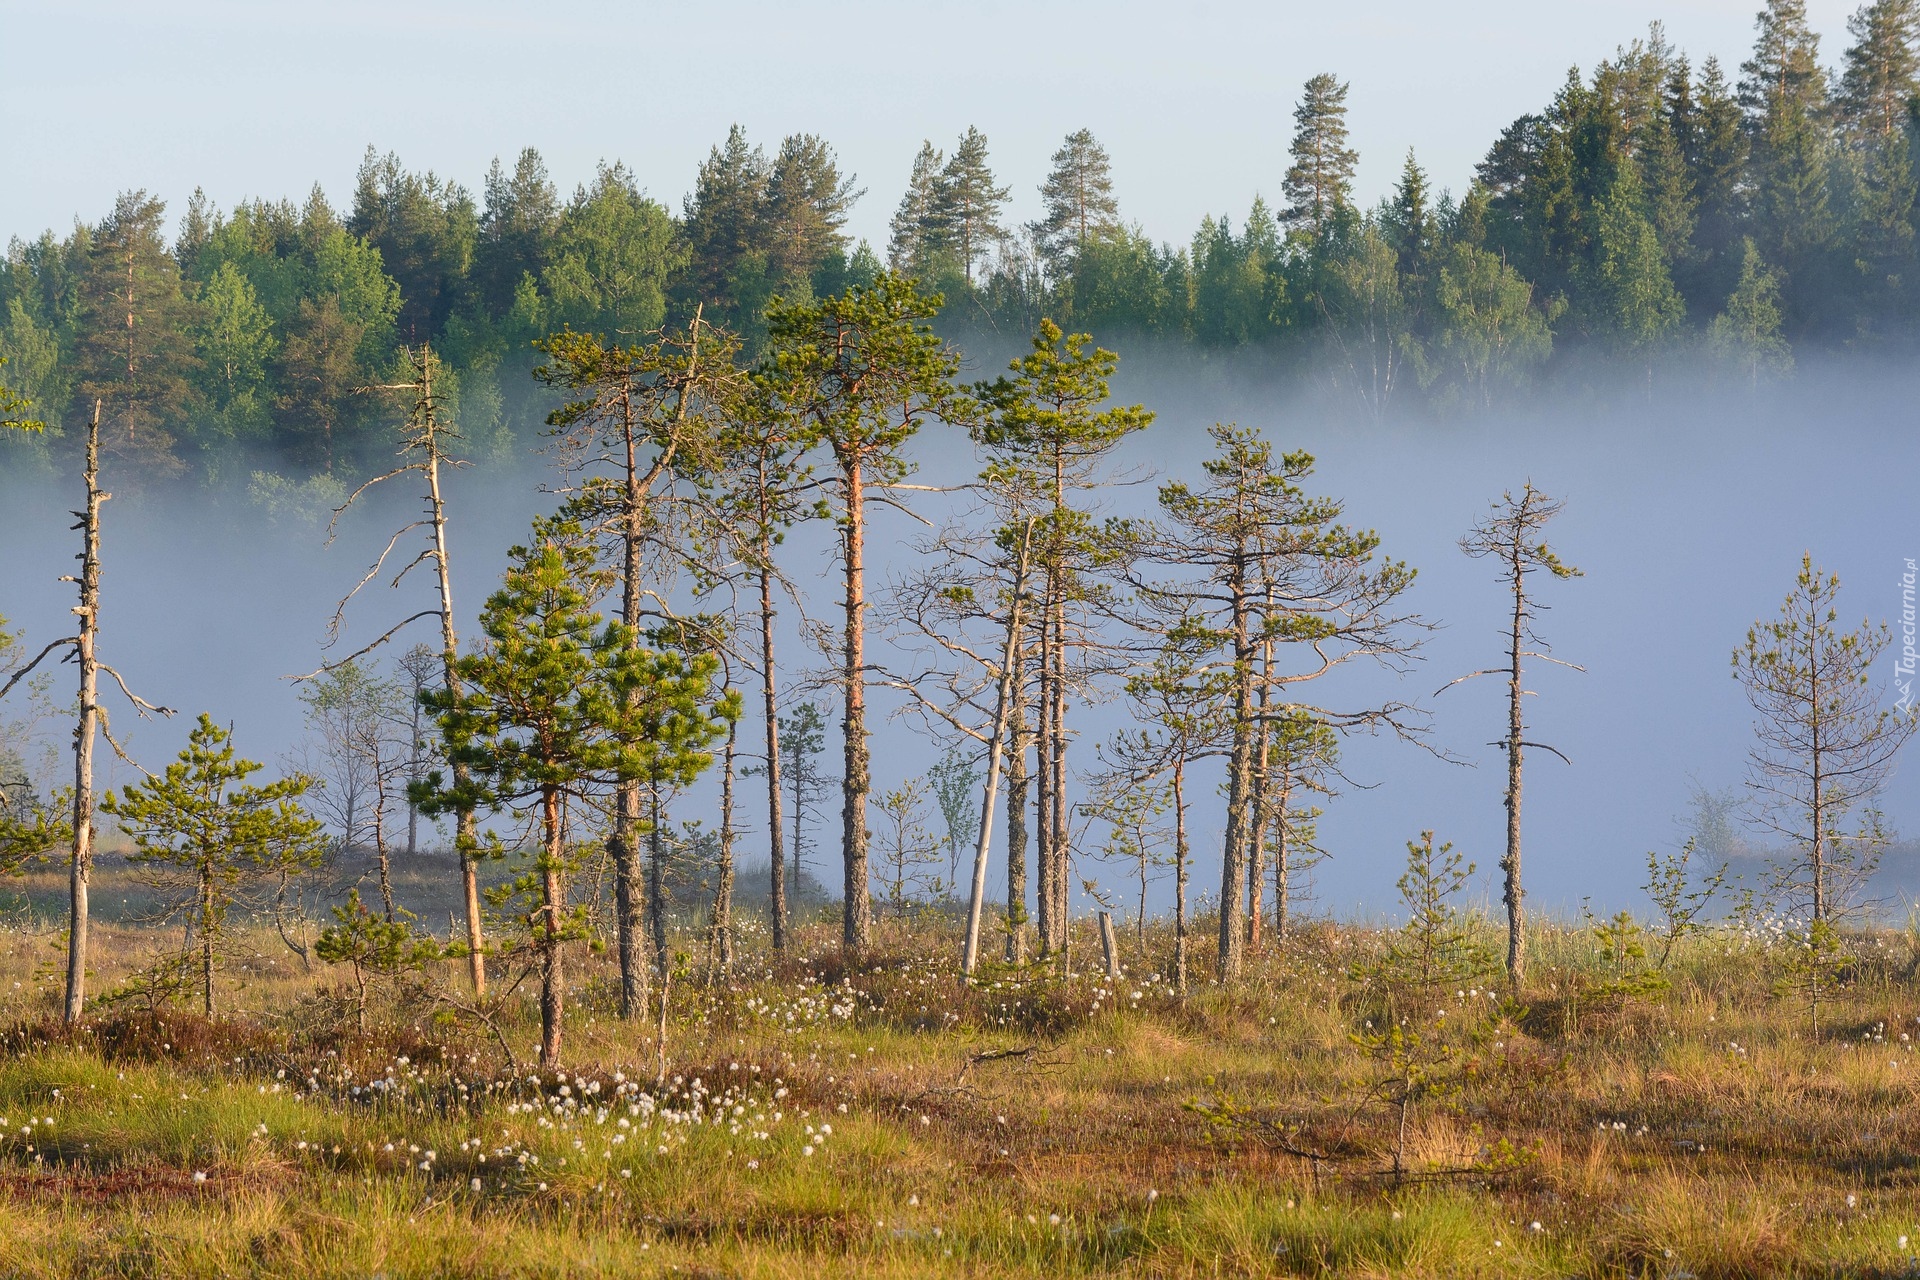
x=1826 y=745
x=1716 y=151
x=134 y=350
x=1783 y=89
x=967 y=204
x=1079 y=202
x=859 y=374
x=806 y=210
x=555 y=708
x=202 y=833
x=1882 y=70
x=1048 y=431
x=914 y=233
x=1319 y=185
x=1512 y=536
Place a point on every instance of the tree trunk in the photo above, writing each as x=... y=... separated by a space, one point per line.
x=1516 y=911
x=206 y=939
x=1043 y=794
x=467 y=830
x=1262 y=749
x=657 y=886
x=1062 y=833
x=1282 y=872
x=1009 y=664
x=723 y=889
x=1233 y=859
x=85 y=730
x=629 y=902
x=552 y=898
x=857 y=919
x=776 y=836
x=1017 y=823
x=1179 y=877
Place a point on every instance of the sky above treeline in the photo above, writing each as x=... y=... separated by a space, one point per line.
x=1194 y=101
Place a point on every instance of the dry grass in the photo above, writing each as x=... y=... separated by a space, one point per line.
x=1704 y=1132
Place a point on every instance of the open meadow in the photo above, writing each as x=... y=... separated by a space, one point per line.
x=798 y=1117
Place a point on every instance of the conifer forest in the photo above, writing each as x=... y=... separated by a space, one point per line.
x=553 y=734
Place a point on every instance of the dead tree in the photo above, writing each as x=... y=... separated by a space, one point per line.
x=90 y=721
x=423 y=452
x=1512 y=535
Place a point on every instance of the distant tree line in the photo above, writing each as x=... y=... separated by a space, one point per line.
x=1653 y=210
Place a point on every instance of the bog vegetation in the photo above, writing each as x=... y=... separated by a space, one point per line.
x=489 y=981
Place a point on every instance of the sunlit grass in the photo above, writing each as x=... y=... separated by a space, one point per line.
x=880 y=1120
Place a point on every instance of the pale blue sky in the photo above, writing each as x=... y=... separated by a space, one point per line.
x=252 y=97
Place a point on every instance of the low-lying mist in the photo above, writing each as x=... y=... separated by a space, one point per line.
x=1688 y=513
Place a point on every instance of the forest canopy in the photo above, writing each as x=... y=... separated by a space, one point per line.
x=1675 y=219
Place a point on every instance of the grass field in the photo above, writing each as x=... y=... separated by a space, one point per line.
x=813 y=1118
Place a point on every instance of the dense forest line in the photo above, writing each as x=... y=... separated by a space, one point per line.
x=1654 y=213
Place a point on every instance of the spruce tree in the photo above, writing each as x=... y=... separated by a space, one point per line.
x=425 y=229
x=1783 y=89
x=1079 y=202
x=1627 y=291
x=521 y=214
x=967 y=204
x=723 y=218
x=1319 y=185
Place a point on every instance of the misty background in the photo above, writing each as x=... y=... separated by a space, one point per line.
x=1688 y=512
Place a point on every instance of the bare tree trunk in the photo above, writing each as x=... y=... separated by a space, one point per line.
x=1017 y=823
x=776 y=836
x=1043 y=794
x=85 y=730
x=1062 y=834
x=1257 y=861
x=1516 y=911
x=206 y=939
x=657 y=876
x=1282 y=872
x=857 y=919
x=552 y=897
x=1179 y=876
x=1009 y=661
x=1109 y=946
x=1233 y=859
x=467 y=831
x=723 y=890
